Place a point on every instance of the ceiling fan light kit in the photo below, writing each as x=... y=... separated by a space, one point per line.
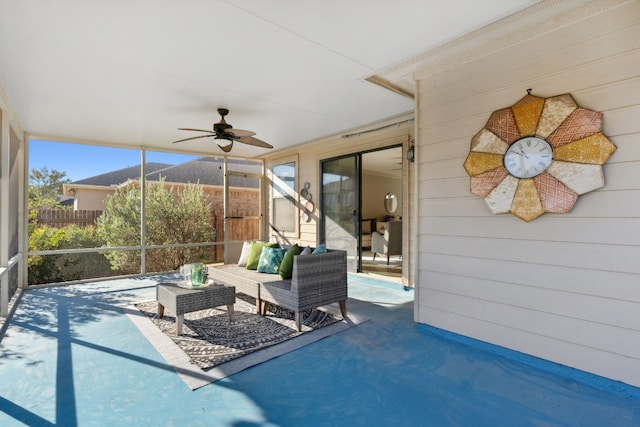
x=538 y=156
x=223 y=131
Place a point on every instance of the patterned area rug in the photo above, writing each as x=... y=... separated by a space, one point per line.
x=218 y=347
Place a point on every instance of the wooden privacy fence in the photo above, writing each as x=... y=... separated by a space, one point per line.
x=238 y=228
x=64 y=217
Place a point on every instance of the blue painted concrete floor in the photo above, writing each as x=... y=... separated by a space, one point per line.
x=71 y=357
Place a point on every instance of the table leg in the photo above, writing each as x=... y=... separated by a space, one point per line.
x=179 y=320
x=263 y=308
x=160 y=310
x=230 y=312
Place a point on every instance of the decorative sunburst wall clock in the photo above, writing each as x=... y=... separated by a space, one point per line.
x=538 y=156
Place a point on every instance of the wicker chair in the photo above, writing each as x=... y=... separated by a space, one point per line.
x=317 y=280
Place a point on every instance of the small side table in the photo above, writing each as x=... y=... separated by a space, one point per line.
x=180 y=300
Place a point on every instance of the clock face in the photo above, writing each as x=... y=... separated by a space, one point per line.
x=528 y=157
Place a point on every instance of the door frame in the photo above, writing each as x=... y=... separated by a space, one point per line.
x=322 y=230
x=232 y=248
x=357 y=209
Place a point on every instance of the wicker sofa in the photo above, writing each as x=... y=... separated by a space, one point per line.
x=317 y=280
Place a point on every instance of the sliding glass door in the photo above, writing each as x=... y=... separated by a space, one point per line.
x=340 y=184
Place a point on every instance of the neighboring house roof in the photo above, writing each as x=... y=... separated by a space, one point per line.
x=65 y=201
x=208 y=171
x=205 y=171
x=121 y=175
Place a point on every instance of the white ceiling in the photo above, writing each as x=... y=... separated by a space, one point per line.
x=292 y=71
x=386 y=162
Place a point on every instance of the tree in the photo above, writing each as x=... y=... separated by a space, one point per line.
x=171 y=217
x=45 y=186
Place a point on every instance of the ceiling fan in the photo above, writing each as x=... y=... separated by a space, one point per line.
x=224 y=131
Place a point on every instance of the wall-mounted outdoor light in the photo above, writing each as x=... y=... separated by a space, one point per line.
x=411 y=153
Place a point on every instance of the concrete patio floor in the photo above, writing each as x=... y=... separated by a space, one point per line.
x=71 y=357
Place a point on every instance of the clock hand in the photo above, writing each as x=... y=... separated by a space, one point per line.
x=523 y=154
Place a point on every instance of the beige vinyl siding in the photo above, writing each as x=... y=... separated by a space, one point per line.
x=562 y=287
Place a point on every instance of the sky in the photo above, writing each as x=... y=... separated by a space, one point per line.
x=84 y=161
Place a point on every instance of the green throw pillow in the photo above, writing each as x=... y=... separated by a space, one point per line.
x=254 y=253
x=286 y=266
x=270 y=259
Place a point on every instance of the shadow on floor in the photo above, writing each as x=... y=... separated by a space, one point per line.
x=71 y=357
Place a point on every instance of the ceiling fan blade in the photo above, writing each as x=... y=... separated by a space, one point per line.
x=226 y=148
x=223 y=130
x=197 y=130
x=239 y=132
x=194 y=137
x=253 y=141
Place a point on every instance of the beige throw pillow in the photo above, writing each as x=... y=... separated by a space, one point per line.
x=244 y=255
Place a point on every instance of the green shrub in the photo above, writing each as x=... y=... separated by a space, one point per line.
x=171 y=217
x=66 y=266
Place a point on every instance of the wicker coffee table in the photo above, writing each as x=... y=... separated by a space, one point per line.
x=180 y=300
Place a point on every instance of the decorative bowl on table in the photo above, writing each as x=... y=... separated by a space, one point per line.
x=189 y=285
